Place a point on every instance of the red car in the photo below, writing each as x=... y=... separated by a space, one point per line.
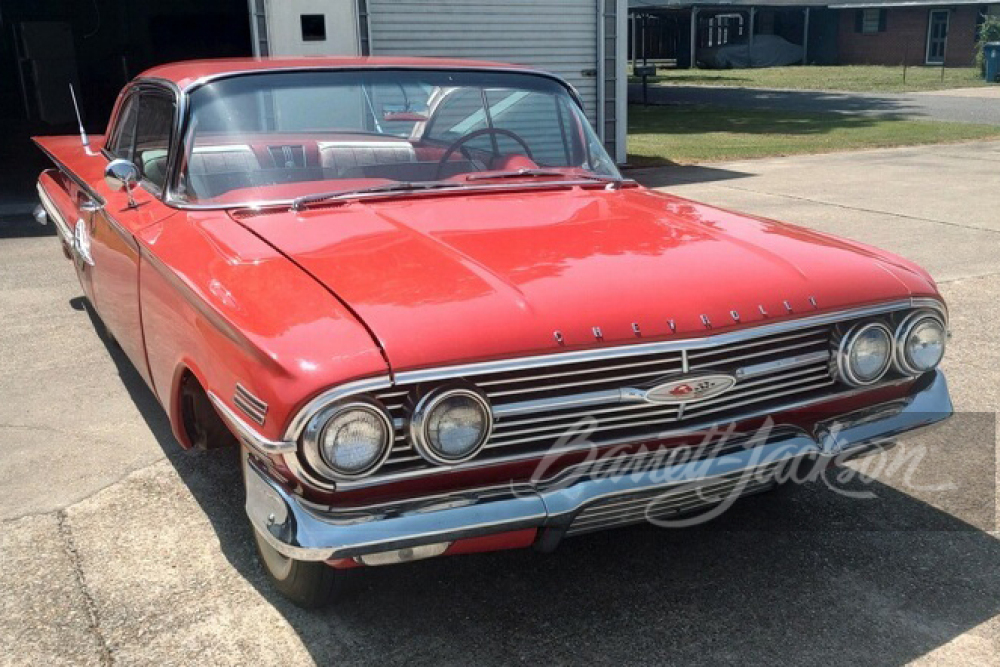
x=421 y=298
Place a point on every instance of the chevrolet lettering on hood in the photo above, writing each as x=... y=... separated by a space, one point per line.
x=420 y=299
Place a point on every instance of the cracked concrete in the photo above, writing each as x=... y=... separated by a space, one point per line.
x=93 y=622
x=119 y=548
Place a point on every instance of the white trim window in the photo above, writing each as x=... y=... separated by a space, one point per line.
x=871 y=19
x=937 y=36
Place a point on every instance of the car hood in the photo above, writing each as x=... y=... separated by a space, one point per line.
x=445 y=279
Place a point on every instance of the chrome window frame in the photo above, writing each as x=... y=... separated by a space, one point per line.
x=183 y=113
x=138 y=87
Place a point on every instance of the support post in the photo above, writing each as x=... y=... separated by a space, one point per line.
x=633 y=20
x=805 y=40
x=753 y=16
x=694 y=37
x=645 y=37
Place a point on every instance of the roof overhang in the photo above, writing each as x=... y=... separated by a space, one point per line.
x=872 y=4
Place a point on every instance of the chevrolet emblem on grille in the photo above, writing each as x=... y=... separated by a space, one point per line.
x=687 y=390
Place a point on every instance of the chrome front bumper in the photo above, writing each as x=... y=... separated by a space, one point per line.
x=304 y=531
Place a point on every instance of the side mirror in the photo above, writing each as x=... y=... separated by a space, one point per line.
x=122 y=175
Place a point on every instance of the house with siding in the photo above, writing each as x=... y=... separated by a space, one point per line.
x=849 y=32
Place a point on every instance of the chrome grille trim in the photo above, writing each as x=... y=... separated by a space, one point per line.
x=563 y=385
x=562 y=374
x=687 y=429
x=632 y=509
x=540 y=424
x=691 y=344
x=803 y=370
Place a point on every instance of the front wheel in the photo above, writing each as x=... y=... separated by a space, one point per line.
x=309 y=584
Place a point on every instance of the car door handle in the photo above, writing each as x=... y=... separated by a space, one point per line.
x=90 y=207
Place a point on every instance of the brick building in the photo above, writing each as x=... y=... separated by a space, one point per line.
x=917 y=33
x=849 y=32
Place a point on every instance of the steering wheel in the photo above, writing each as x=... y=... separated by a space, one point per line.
x=461 y=141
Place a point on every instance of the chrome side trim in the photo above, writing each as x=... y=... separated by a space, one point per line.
x=55 y=216
x=247 y=434
x=561 y=358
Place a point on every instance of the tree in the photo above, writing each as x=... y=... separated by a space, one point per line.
x=989 y=31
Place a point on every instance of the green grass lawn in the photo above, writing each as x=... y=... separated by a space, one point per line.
x=673 y=134
x=857 y=78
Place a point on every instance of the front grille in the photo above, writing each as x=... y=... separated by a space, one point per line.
x=771 y=371
x=672 y=502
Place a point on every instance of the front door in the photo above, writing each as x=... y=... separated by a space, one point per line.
x=937 y=36
x=142 y=137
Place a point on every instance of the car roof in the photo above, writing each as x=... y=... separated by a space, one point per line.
x=186 y=73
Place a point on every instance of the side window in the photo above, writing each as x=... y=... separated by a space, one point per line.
x=152 y=137
x=123 y=138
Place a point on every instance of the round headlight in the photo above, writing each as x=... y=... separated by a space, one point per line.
x=348 y=441
x=865 y=354
x=920 y=342
x=451 y=425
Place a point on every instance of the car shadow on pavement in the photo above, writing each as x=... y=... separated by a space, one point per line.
x=678 y=174
x=23 y=225
x=802 y=576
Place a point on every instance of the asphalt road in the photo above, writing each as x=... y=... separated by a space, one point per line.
x=118 y=548
x=972 y=106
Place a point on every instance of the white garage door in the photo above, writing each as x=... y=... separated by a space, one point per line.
x=559 y=36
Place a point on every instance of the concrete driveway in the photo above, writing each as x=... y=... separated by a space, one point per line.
x=968 y=105
x=118 y=548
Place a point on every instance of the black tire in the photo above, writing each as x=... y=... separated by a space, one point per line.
x=308 y=584
x=204 y=428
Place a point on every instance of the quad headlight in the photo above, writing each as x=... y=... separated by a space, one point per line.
x=451 y=425
x=348 y=440
x=865 y=353
x=920 y=342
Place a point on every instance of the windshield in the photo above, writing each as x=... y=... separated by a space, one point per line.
x=286 y=135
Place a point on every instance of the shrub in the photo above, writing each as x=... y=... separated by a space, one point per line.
x=989 y=31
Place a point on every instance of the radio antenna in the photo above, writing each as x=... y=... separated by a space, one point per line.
x=79 y=118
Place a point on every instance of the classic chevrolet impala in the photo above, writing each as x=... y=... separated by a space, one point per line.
x=423 y=302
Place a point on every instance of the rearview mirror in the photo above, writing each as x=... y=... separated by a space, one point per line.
x=122 y=175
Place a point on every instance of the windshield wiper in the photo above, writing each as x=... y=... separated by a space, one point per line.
x=542 y=173
x=301 y=202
